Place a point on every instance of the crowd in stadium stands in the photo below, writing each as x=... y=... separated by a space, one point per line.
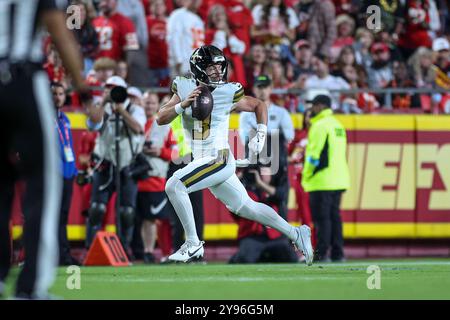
x=300 y=44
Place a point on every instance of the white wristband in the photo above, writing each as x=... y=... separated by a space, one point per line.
x=178 y=108
x=261 y=128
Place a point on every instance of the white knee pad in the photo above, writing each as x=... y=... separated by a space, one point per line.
x=174 y=186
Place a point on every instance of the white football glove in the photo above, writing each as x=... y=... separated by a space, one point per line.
x=257 y=143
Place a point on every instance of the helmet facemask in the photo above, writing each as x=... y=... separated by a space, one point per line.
x=204 y=57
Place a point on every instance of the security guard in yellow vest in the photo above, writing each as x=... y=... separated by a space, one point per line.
x=184 y=151
x=325 y=177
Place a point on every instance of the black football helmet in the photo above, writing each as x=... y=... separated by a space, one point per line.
x=202 y=58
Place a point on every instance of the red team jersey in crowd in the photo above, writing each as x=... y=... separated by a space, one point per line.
x=158 y=51
x=240 y=18
x=416 y=26
x=146 y=4
x=116 y=35
x=157 y=184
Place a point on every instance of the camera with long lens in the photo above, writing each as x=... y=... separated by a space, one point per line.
x=139 y=168
x=118 y=94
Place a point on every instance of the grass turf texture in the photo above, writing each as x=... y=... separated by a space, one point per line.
x=400 y=279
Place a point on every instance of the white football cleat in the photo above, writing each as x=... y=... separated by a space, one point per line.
x=188 y=252
x=303 y=243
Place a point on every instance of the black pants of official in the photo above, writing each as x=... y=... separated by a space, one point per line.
x=29 y=152
x=65 y=258
x=197 y=208
x=327 y=223
x=259 y=248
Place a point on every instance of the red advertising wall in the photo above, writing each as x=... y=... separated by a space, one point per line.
x=400 y=174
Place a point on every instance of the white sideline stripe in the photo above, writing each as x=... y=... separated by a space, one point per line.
x=47 y=255
x=223 y=279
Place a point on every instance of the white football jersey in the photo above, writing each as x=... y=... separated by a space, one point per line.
x=209 y=136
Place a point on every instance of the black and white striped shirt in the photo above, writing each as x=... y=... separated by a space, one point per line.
x=21 y=33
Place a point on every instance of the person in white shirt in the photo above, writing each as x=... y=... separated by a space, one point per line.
x=280 y=133
x=185 y=33
x=323 y=80
x=102 y=118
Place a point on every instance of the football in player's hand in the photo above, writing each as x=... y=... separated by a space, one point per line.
x=203 y=104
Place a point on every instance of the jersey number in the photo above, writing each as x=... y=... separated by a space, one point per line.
x=105 y=38
x=203 y=132
x=198 y=37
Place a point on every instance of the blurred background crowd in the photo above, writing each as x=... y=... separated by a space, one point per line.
x=363 y=56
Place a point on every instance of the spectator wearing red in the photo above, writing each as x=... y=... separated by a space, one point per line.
x=416 y=28
x=54 y=66
x=239 y=16
x=148 y=9
x=274 y=23
x=160 y=147
x=158 y=51
x=345 y=30
x=219 y=34
x=116 y=33
x=345 y=6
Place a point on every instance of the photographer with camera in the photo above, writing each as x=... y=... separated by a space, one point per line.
x=120 y=124
x=258 y=243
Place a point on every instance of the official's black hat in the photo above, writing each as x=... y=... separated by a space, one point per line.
x=262 y=81
x=322 y=99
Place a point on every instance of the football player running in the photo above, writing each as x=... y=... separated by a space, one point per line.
x=214 y=166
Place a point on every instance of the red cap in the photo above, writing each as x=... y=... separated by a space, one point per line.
x=301 y=43
x=379 y=46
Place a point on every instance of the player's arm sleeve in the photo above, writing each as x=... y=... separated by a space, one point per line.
x=239 y=93
x=176 y=88
x=316 y=141
x=287 y=127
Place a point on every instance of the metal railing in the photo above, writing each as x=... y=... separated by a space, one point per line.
x=387 y=92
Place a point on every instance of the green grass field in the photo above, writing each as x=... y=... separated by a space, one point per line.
x=400 y=279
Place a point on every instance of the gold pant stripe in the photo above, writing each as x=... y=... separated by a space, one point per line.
x=202 y=173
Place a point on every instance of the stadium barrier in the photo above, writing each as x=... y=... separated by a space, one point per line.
x=400 y=174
